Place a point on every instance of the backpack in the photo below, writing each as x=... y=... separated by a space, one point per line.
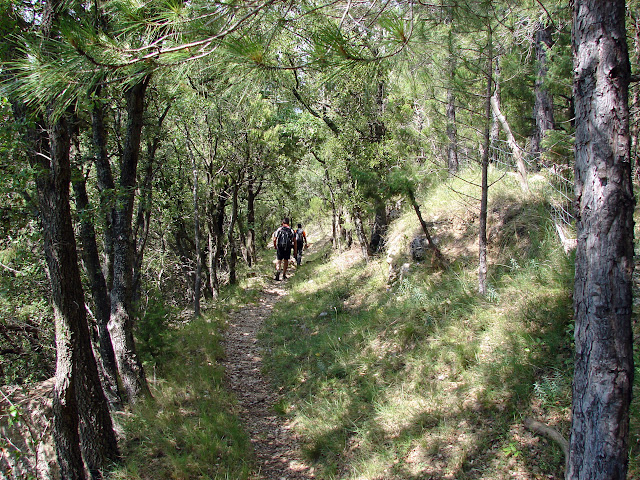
x=299 y=237
x=284 y=239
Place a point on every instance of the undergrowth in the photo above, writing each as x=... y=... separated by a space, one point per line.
x=425 y=378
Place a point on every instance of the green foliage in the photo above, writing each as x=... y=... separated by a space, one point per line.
x=26 y=325
x=152 y=326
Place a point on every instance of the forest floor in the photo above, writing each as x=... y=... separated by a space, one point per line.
x=275 y=443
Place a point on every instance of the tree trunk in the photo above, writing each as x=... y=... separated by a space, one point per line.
x=106 y=184
x=196 y=231
x=218 y=231
x=543 y=106
x=79 y=401
x=360 y=233
x=121 y=321
x=52 y=183
x=79 y=406
x=243 y=239
x=233 y=256
x=251 y=222
x=484 y=195
x=440 y=261
x=452 y=133
x=98 y=286
x=603 y=375
x=494 y=145
x=379 y=229
x=452 y=130
x=140 y=233
x=145 y=204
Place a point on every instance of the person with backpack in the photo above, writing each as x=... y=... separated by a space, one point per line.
x=283 y=242
x=301 y=242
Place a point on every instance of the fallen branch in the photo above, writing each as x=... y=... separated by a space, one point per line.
x=552 y=434
x=12 y=270
x=515 y=148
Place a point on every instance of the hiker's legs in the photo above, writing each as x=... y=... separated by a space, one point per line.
x=280 y=257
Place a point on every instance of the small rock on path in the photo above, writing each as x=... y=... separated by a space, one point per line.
x=274 y=441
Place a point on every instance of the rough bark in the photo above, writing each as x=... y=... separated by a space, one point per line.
x=604 y=255
x=52 y=183
x=121 y=321
x=80 y=407
x=99 y=294
x=106 y=184
x=634 y=128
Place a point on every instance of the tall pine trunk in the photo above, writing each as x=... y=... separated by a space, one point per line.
x=80 y=408
x=82 y=422
x=252 y=193
x=452 y=130
x=106 y=184
x=121 y=321
x=484 y=194
x=216 y=232
x=603 y=375
x=196 y=231
x=52 y=183
x=233 y=255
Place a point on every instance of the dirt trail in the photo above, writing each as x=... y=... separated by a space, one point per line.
x=274 y=441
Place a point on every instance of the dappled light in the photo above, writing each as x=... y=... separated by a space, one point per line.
x=345 y=240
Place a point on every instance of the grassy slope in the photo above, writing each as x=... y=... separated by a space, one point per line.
x=426 y=379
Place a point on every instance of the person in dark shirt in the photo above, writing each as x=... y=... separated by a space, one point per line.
x=283 y=242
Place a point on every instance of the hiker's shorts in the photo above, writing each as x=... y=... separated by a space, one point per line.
x=283 y=254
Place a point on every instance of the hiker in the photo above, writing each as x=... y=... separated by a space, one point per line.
x=301 y=242
x=283 y=242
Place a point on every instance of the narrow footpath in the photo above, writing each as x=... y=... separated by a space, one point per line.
x=274 y=441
